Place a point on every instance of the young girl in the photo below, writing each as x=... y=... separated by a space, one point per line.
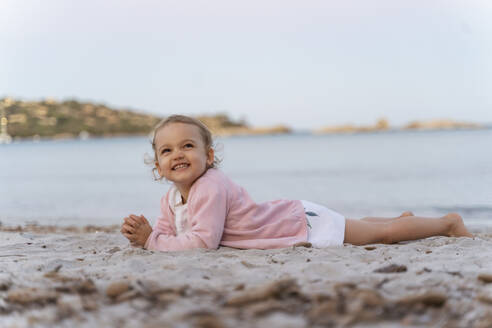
x=205 y=209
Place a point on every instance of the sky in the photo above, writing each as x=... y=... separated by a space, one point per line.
x=304 y=64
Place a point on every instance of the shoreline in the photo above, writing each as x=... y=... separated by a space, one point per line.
x=90 y=276
x=300 y=132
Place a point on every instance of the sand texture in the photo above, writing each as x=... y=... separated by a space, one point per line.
x=92 y=277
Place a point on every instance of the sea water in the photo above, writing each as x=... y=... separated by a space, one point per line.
x=100 y=181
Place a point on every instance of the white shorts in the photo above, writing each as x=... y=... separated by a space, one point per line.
x=325 y=227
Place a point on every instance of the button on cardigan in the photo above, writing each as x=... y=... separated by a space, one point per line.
x=222 y=213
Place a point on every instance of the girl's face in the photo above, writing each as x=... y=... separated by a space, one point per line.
x=181 y=155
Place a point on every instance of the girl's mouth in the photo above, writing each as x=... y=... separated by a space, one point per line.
x=180 y=166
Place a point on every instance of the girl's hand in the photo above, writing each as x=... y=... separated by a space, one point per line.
x=137 y=229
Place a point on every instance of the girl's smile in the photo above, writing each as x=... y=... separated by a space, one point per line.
x=180 y=166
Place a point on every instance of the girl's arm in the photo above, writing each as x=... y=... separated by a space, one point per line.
x=207 y=210
x=163 y=225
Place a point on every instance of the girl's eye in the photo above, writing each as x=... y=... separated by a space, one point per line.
x=165 y=150
x=188 y=145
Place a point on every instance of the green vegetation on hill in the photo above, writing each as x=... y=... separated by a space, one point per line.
x=71 y=118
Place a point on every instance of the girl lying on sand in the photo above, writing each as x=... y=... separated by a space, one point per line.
x=205 y=209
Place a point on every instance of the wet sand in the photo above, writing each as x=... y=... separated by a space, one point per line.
x=90 y=277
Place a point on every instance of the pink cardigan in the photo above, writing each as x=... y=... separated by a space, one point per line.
x=222 y=213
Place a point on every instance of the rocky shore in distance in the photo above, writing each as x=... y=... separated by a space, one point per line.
x=51 y=119
x=222 y=125
x=383 y=125
x=70 y=119
x=441 y=125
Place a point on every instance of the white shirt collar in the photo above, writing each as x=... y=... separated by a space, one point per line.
x=176 y=199
x=180 y=211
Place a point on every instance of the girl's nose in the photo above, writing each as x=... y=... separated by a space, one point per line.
x=178 y=154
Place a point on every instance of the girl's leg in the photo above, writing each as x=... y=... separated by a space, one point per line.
x=383 y=220
x=360 y=232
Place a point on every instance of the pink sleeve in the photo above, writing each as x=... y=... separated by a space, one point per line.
x=207 y=210
x=163 y=226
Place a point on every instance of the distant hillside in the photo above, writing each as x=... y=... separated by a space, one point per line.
x=71 y=119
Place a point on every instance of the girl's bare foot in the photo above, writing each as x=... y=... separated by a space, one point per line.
x=457 y=228
x=406 y=213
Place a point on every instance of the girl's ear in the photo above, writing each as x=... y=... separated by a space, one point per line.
x=158 y=168
x=210 y=156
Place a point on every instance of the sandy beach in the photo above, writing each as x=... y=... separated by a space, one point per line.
x=92 y=277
